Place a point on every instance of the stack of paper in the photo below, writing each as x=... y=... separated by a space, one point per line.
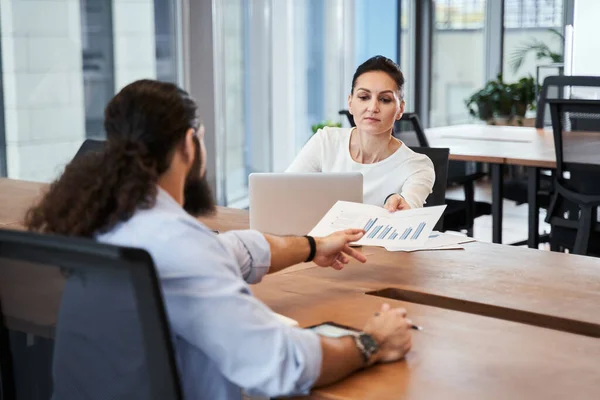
x=437 y=241
x=286 y=320
x=409 y=230
x=401 y=229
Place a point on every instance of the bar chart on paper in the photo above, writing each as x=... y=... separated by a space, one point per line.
x=408 y=228
x=373 y=230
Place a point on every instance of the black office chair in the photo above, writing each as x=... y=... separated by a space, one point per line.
x=79 y=319
x=439 y=158
x=554 y=87
x=459 y=214
x=90 y=145
x=573 y=212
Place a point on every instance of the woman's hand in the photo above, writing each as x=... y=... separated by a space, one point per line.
x=395 y=203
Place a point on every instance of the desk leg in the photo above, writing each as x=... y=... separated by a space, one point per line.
x=533 y=177
x=497 y=198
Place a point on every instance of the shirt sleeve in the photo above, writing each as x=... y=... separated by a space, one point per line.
x=251 y=251
x=212 y=308
x=419 y=183
x=310 y=157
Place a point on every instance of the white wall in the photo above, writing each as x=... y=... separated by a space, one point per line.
x=335 y=94
x=458 y=70
x=586 y=47
x=232 y=156
x=43 y=86
x=134 y=46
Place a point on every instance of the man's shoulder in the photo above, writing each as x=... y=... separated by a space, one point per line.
x=179 y=246
x=155 y=228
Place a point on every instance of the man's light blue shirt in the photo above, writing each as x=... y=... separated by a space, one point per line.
x=225 y=338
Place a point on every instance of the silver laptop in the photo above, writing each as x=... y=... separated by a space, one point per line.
x=293 y=203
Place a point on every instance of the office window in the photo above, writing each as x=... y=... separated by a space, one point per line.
x=459 y=14
x=458 y=58
x=318 y=63
x=533 y=13
x=97 y=46
x=62 y=61
x=243 y=96
x=376 y=29
x=303 y=53
x=533 y=32
x=407 y=52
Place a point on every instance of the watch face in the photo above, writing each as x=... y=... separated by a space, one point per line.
x=369 y=343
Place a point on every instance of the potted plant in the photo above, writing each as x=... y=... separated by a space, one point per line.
x=541 y=50
x=524 y=92
x=320 y=125
x=480 y=104
x=502 y=99
x=501 y=103
x=492 y=101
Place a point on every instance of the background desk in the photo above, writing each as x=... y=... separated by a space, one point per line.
x=505 y=145
x=459 y=354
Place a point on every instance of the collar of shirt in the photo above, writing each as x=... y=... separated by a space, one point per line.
x=164 y=201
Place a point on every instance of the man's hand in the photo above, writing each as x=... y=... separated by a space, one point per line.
x=395 y=203
x=334 y=251
x=391 y=329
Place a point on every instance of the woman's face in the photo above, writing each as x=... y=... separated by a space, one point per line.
x=375 y=103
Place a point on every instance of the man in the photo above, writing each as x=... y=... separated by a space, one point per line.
x=141 y=191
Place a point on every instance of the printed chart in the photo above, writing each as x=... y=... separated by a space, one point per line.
x=410 y=228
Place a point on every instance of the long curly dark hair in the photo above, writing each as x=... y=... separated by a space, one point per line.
x=144 y=124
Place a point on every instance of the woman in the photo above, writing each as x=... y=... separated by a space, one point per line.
x=394 y=175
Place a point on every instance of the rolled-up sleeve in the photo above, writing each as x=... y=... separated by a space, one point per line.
x=419 y=184
x=251 y=251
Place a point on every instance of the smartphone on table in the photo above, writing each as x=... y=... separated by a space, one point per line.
x=334 y=330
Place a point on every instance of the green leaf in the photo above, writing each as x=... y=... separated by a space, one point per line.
x=323 y=124
x=540 y=49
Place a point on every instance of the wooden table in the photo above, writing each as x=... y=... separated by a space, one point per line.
x=467 y=302
x=15 y=198
x=457 y=355
x=506 y=145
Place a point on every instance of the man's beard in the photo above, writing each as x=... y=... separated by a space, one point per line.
x=197 y=195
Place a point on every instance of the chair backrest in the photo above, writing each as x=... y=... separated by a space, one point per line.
x=414 y=133
x=439 y=158
x=561 y=87
x=408 y=125
x=349 y=116
x=572 y=122
x=90 y=145
x=80 y=319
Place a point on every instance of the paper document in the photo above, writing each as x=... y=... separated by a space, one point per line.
x=286 y=320
x=437 y=241
x=408 y=228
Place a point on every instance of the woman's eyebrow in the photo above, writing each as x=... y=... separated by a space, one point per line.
x=384 y=91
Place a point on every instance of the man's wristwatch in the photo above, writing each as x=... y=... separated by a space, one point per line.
x=367 y=345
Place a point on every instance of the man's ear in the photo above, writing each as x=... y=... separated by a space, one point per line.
x=189 y=149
